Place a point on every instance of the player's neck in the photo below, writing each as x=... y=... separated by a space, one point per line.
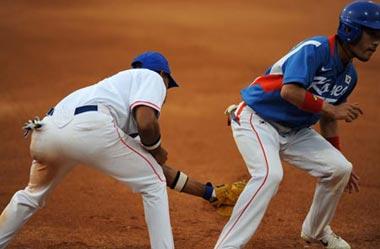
x=344 y=52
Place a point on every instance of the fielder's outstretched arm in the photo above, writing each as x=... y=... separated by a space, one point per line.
x=181 y=182
x=149 y=132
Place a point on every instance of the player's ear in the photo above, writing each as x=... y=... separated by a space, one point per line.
x=165 y=77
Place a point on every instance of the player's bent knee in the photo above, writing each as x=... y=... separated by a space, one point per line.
x=153 y=189
x=155 y=194
x=342 y=170
x=26 y=198
x=275 y=178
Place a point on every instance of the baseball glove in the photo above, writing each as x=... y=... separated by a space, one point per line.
x=226 y=197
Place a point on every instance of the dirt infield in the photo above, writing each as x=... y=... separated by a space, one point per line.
x=49 y=48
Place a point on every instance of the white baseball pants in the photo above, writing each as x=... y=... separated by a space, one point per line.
x=90 y=138
x=261 y=146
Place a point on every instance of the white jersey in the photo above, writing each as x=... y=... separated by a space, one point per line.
x=120 y=93
x=102 y=139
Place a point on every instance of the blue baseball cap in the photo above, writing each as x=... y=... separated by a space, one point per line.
x=155 y=61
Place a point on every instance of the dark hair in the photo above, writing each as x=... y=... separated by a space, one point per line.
x=137 y=64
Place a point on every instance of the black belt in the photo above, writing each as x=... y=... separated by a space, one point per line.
x=78 y=110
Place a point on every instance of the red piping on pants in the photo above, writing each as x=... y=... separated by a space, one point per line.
x=239 y=110
x=262 y=184
x=129 y=147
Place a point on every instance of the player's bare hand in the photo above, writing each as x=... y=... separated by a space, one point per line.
x=353 y=183
x=160 y=154
x=346 y=111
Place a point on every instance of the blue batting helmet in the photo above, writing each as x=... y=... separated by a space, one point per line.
x=356 y=16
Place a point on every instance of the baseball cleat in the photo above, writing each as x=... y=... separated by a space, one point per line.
x=331 y=241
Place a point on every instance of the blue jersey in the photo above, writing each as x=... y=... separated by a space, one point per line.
x=313 y=64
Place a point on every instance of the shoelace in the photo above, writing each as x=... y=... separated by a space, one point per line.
x=32 y=124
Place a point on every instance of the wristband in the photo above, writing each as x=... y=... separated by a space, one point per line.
x=209 y=189
x=175 y=180
x=180 y=181
x=311 y=103
x=334 y=141
x=153 y=146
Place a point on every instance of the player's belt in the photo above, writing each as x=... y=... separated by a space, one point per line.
x=282 y=129
x=78 y=110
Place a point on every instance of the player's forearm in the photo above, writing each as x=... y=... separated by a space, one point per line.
x=328 y=126
x=191 y=186
x=328 y=110
x=329 y=130
x=305 y=100
x=293 y=93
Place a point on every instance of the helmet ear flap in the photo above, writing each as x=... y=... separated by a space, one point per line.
x=349 y=32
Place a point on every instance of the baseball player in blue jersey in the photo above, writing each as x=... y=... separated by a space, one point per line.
x=311 y=83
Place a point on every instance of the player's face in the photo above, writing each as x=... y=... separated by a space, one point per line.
x=366 y=47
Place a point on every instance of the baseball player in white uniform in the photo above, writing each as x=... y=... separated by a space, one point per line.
x=94 y=126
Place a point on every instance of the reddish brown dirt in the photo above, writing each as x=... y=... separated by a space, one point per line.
x=49 y=48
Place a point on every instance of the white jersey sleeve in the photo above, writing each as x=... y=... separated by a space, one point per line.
x=148 y=89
